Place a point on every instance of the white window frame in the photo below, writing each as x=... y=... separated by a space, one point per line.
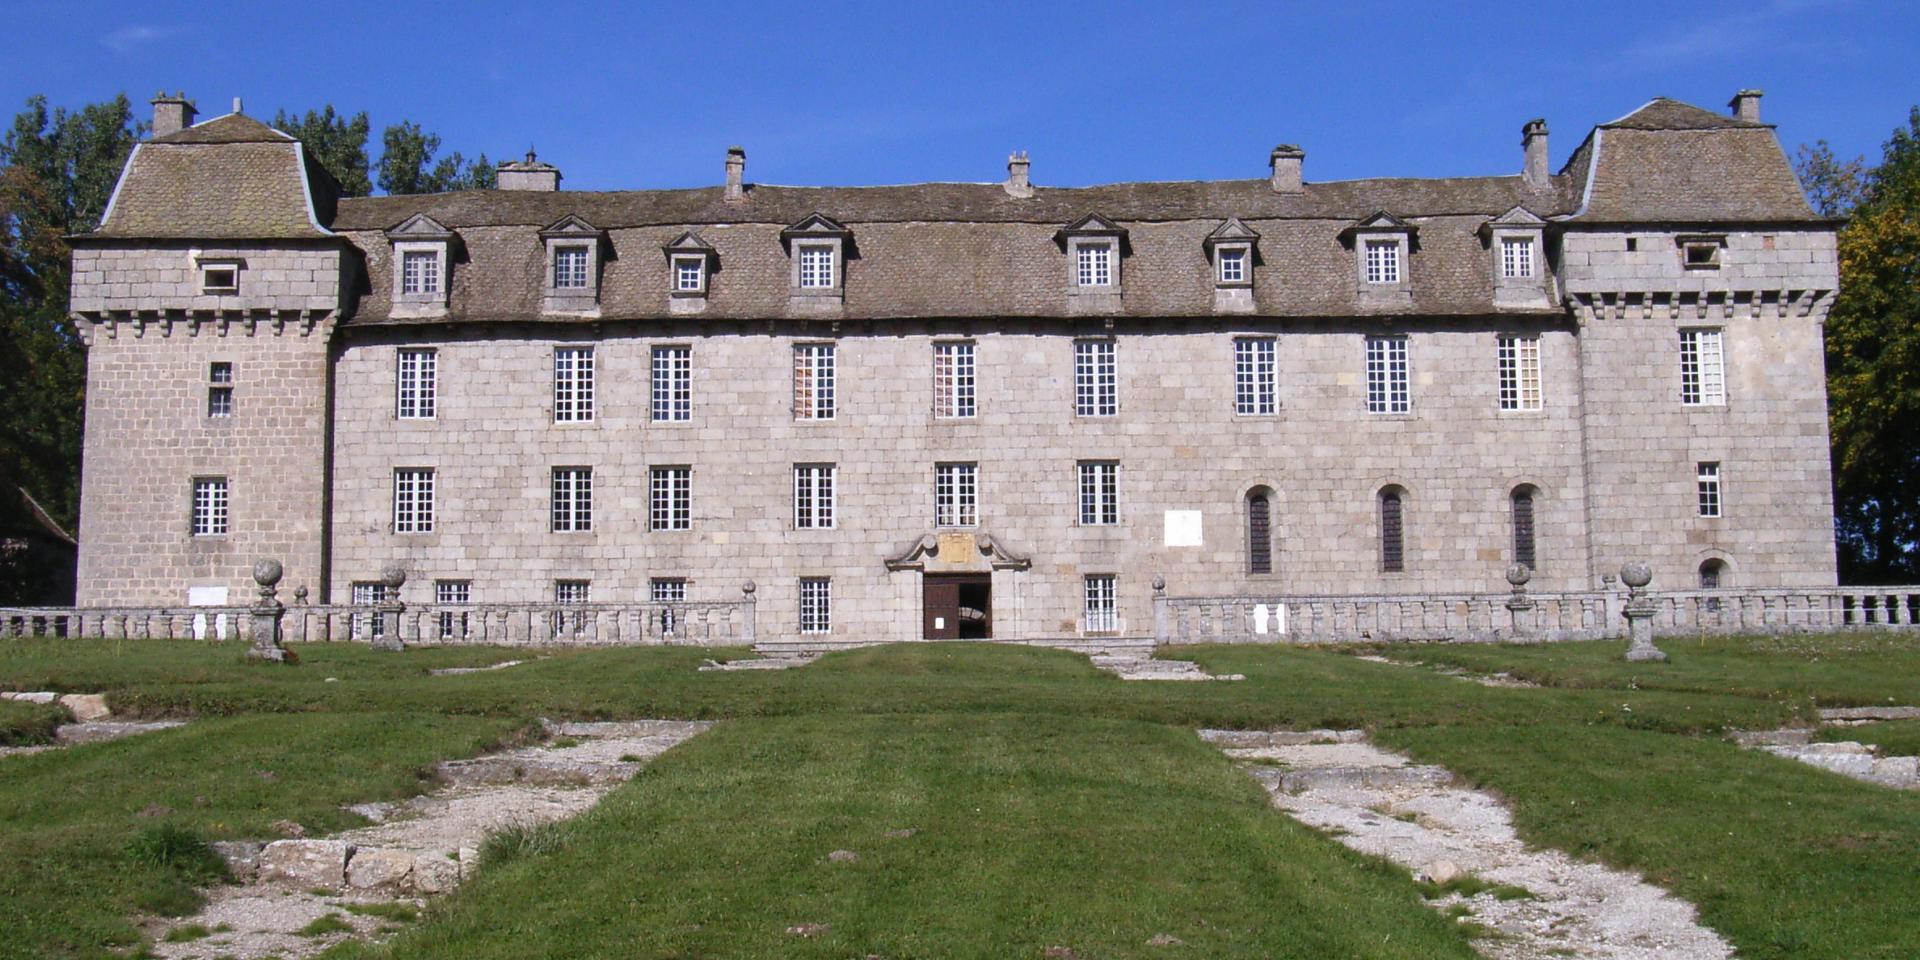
x=1256 y=376
x=672 y=383
x=1100 y=609
x=1382 y=260
x=815 y=381
x=955 y=395
x=429 y=279
x=572 y=500
x=816 y=605
x=669 y=498
x=209 y=271
x=220 y=390
x=817 y=269
x=1096 y=378
x=1516 y=257
x=572 y=266
x=1232 y=265
x=1712 y=494
x=813 y=496
x=413 y=498
x=416 y=383
x=956 y=495
x=1094 y=266
x=568 y=593
x=1099 y=493
x=453 y=593
x=573 y=384
x=1703 y=367
x=1518 y=358
x=212 y=512
x=1389 y=374
x=367 y=594
x=689 y=274
x=668 y=591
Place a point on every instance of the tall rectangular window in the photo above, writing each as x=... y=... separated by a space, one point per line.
x=1519 y=373
x=413 y=500
x=572 y=499
x=1516 y=257
x=1101 y=612
x=953 y=383
x=1703 y=374
x=210 y=506
x=816 y=605
x=363 y=625
x=1256 y=378
x=667 y=590
x=672 y=384
x=1523 y=540
x=1393 y=545
x=1708 y=479
x=1387 y=375
x=453 y=623
x=570 y=593
x=220 y=390
x=1099 y=493
x=813 y=381
x=670 y=498
x=956 y=495
x=1383 y=261
x=1096 y=389
x=689 y=274
x=813 y=496
x=816 y=266
x=419 y=271
x=417 y=388
x=572 y=384
x=1094 y=264
x=570 y=268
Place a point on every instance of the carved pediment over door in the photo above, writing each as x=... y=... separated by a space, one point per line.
x=957 y=551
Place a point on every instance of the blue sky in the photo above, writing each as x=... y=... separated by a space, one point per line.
x=650 y=95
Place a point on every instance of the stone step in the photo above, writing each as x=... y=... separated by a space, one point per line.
x=1870 y=713
x=488 y=771
x=625 y=728
x=758 y=663
x=73 y=734
x=1772 y=738
x=1333 y=778
x=1258 y=739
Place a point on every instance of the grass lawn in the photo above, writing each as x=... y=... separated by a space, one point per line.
x=1055 y=805
x=1895 y=738
x=22 y=724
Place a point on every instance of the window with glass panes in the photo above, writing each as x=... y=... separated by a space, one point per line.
x=1101 y=611
x=419 y=271
x=689 y=274
x=816 y=605
x=1383 y=261
x=569 y=593
x=1516 y=257
x=1703 y=374
x=1099 y=493
x=413 y=500
x=362 y=624
x=210 y=506
x=816 y=266
x=956 y=494
x=1256 y=381
x=813 y=381
x=220 y=390
x=572 y=499
x=813 y=496
x=666 y=590
x=953 y=383
x=570 y=268
x=453 y=623
x=1519 y=359
x=1387 y=375
x=1393 y=546
x=670 y=498
x=1708 y=478
x=1096 y=390
x=572 y=384
x=672 y=384
x=416 y=390
x=1094 y=262
x=1233 y=265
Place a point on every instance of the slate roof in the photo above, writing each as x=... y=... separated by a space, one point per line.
x=230 y=178
x=1672 y=162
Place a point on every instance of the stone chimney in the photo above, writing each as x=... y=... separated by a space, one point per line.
x=529 y=174
x=1533 y=140
x=1285 y=164
x=1746 y=105
x=1017 y=184
x=171 y=114
x=736 y=173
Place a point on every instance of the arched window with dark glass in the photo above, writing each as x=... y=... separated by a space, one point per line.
x=1393 y=554
x=1259 y=532
x=1523 y=539
x=1712 y=574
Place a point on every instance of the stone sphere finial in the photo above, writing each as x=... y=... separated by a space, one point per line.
x=1636 y=574
x=749 y=587
x=393 y=575
x=1518 y=574
x=1159 y=584
x=267 y=572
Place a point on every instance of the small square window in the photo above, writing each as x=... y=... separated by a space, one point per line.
x=220 y=278
x=220 y=373
x=419 y=272
x=1701 y=254
x=689 y=274
x=1233 y=265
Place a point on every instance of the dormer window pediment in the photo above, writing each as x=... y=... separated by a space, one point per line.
x=1231 y=249
x=575 y=250
x=1094 y=246
x=1516 y=245
x=690 y=262
x=422 y=259
x=817 y=247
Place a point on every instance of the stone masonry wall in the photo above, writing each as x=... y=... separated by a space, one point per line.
x=1176 y=438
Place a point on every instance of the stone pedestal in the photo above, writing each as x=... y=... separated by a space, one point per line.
x=265 y=616
x=1520 y=607
x=1639 y=612
x=390 y=608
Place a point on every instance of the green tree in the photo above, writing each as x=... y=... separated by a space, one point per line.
x=1873 y=354
x=407 y=164
x=339 y=142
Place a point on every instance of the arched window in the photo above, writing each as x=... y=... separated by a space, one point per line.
x=1259 y=532
x=1523 y=549
x=1392 y=534
x=1712 y=573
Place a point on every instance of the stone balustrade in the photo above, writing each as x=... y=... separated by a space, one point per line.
x=528 y=624
x=127 y=623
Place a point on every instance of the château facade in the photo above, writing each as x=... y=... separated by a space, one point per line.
x=957 y=409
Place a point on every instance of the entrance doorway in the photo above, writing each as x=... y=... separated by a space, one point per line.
x=957 y=607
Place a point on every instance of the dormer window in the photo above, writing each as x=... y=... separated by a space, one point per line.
x=1096 y=264
x=1230 y=266
x=422 y=250
x=1515 y=242
x=1516 y=258
x=1095 y=248
x=1700 y=252
x=816 y=266
x=689 y=274
x=570 y=267
x=818 y=247
x=419 y=272
x=573 y=266
x=690 y=261
x=1382 y=274
x=1383 y=261
x=220 y=277
x=1230 y=247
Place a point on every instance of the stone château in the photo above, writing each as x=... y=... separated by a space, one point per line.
x=956 y=409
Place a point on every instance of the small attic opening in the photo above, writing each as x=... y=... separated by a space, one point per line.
x=1702 y=256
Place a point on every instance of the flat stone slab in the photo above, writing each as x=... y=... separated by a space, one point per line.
x=1768 y=738
x=457 y=671
x=73 y=734
x=758 y=663
x=1148 y=668
x=1257 y=739
x=1842 y=714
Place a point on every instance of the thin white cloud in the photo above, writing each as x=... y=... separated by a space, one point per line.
x=129 y=39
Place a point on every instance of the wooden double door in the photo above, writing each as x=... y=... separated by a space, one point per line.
x=957 y=606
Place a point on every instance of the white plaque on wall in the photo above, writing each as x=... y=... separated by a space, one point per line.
x=1183 y=528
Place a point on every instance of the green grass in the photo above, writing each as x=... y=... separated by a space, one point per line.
x=327 y=925
x=1895 y=738
x=1055 y=804
x=24 y=724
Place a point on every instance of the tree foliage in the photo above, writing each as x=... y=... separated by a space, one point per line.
x=339 y=142
x=407 y=164
x=1873 y=354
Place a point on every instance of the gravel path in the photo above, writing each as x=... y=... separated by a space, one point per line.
x=1148 y=668
x=1382 y=804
